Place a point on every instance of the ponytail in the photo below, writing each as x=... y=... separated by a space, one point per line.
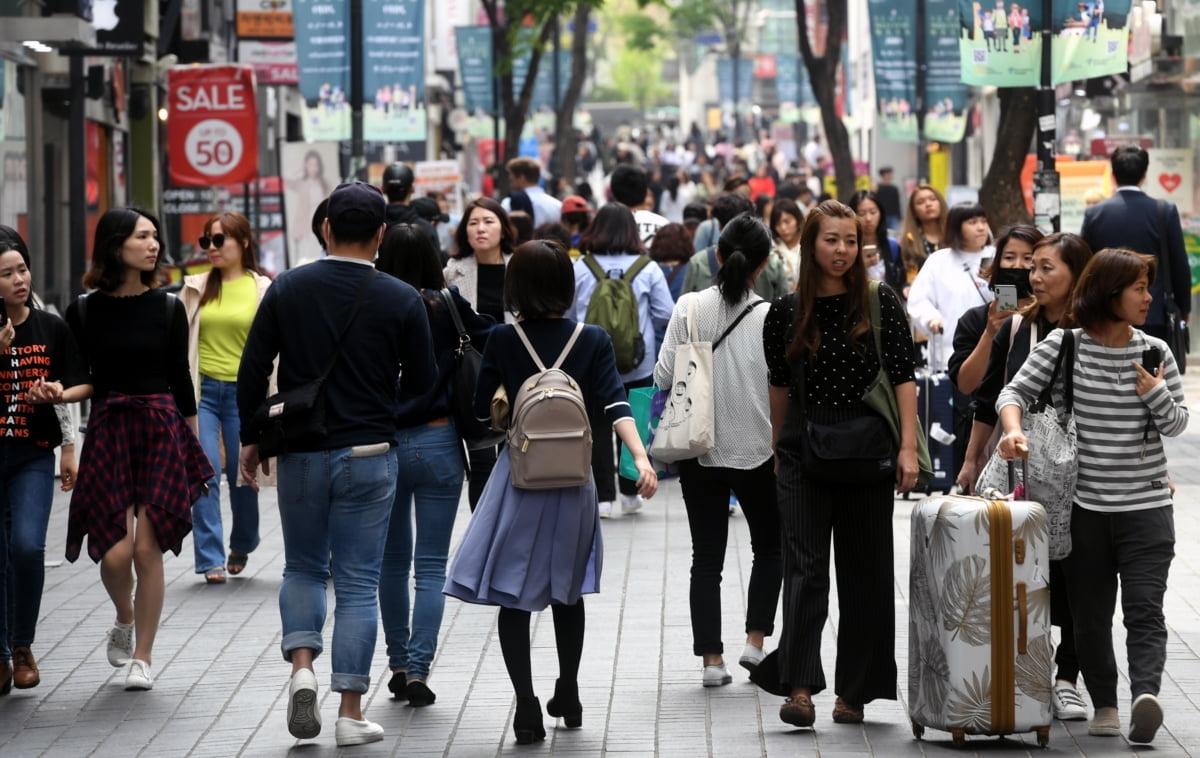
x=744 y=244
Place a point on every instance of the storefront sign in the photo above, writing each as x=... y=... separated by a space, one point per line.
x=120 y=29
x=265 y=18
x=273 y=62
x=393 y=76
x=212 y=132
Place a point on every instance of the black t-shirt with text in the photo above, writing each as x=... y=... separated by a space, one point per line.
x=42 y=349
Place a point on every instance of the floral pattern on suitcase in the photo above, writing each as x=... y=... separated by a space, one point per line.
x=955 y=639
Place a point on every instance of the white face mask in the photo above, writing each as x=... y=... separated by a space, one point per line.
x=877 y=271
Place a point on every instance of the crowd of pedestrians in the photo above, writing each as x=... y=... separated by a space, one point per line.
x=805 y=301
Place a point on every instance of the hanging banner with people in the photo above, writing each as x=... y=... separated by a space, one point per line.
x=475 y=66
x=945 y=93
x=1090 y=39
x=745 y=80
x=894 y=50
x=393 y=75
x=323 y=55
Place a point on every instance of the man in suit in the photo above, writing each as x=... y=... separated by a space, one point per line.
x=1130 y=219
x=889 y=195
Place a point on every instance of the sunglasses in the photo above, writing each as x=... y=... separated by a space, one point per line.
x=217 y=240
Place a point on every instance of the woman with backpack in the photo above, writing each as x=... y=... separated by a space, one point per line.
x=619 y=288
x=430 y=477
x=742 y=462
x=526 y=549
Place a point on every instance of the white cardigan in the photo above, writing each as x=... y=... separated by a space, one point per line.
x=946 y=287
x=464 y=274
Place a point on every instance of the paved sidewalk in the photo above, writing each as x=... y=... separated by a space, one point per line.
x=220 y=679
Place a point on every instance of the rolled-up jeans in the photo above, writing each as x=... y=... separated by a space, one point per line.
x=334 y=507
x=26 y=494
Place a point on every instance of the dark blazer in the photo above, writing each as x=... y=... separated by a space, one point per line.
x=1130 y=219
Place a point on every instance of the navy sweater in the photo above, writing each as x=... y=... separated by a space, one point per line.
x=301 y=317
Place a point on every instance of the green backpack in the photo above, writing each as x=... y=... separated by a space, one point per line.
x=613 y=307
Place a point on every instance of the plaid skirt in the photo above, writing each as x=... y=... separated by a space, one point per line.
x=138 y=451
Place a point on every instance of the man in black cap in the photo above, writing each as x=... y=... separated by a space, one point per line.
x=340 y=319
x=398 y=186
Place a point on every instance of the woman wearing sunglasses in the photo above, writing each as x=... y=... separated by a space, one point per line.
x=220 y=306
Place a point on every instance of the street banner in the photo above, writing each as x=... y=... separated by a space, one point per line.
x=475 y=66
x=212 y=132
x=1187 y=15
x=323 y=54
x=894 y=50
x=1001 y=43
x=1090 y=39
x=273 y=62
x=945 y=93
x=745 y=75
x=543 y=86
x=393 y=76
x=270 y=19
x=448 y=15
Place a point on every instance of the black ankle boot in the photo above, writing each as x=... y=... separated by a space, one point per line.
x=527 y=722
x=565 y=704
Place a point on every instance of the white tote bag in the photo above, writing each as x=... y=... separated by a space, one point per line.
x=687 y=428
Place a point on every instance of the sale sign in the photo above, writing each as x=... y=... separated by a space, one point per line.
x=212 y=129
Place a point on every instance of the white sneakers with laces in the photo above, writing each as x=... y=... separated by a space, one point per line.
x=139 y=677
x=120 y=644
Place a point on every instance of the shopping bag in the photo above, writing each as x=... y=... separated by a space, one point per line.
x=647 y=404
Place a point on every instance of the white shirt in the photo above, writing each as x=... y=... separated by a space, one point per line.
x=741 y=389
x=649 y=223
x=545 y=207
x=672 y=210
x=946 y=287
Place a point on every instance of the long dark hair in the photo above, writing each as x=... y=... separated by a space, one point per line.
x=407 y=253
x=858 y=294
x=113 y=228
x=11 y=239
x=744 y=244
x=236 y=226
x=462 y=239
x=881 y=235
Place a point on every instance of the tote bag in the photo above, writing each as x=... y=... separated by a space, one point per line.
x=687 y=428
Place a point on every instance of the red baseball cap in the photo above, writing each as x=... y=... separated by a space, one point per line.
x=575 y=204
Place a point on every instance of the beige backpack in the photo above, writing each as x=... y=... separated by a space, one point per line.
x=550 y=438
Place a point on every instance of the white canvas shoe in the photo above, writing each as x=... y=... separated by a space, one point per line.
x=303 y=714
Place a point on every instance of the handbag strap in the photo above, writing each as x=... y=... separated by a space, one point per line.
x=1065 y=363
x=464 y=339
x=358 y=298
x=1164 y=263
x=967 y=271
x=745 y=312
x=537 y=359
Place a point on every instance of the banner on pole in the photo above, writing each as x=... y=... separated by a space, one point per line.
x=323 y=55
x=945 y=93
x=475 y=66
x=745 y=79
x=393 y=75
x=894 y=53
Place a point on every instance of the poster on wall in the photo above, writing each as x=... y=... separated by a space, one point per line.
x=1170 y=177
x=393 y=76
x=309 y=172
x=323 y=55
x=894 y=52
x=945 y=93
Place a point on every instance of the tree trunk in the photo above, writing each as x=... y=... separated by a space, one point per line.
x=822 y=72
x=564 y=127
x=1001 y=193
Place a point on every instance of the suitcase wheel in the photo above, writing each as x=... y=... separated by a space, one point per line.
x=918 y=730
x=1043 y=736
x=958 y=737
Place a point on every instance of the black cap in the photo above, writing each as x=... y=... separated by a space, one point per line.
x=363 y=202
x=397 y=176
x=428 y=209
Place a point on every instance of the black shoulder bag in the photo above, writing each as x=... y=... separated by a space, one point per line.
x=1177 y=328
x=467 y=361
x=296 y=418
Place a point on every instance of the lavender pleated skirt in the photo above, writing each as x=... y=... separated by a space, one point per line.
x=526 y=549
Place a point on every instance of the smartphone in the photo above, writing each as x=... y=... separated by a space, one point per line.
x=1014 y=276
x=1006 y=297
x=1151 y=358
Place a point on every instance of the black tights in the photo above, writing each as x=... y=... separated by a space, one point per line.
x=514 y=644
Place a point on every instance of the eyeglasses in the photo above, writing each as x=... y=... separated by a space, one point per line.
x=217 y=240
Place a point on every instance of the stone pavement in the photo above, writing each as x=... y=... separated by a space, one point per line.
x=220 y=680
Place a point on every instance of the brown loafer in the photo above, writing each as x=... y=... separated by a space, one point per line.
x=25 y=670
x=844 y=713
x=798 y=711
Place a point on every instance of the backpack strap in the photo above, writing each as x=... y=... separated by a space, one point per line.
x=593 y=265
x=570 y=344
x=713 y=266
x=635 y=269
x=537 y=359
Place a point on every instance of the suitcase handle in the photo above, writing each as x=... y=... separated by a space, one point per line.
x=1022 y=620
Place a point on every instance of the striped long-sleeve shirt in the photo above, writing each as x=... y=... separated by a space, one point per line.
x=1122 y=466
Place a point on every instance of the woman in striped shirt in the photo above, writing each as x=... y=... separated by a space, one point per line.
x=1122 y=522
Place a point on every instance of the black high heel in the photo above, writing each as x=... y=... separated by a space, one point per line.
x=527 y=722
x=565 y=704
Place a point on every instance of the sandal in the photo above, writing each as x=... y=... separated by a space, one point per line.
x=237 y=563
x=215 y=576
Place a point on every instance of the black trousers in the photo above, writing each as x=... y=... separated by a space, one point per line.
x=604 y=458
x=859 y=519
x=706 y=497
x=1135 y=547
x=1060 y=615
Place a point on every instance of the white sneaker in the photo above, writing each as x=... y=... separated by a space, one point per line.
x=716 y=675
x=303 y=713
x=751 y=657
x=138 y=677
x=631 y=503
x=354 y=732
x=1068 y=703
x=606 y=509
x=120 y=644
x=1146 y=718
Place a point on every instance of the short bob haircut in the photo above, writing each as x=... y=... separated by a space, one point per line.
x=407 y=253
x=959 y=215
x=539 y=281
x=236 y=227
x=112 y=230
x=1103 y=280
x=613 y=231
x=462 y=239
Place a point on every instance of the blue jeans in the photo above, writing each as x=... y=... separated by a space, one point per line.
x=218 y=412
x=431 y=472
x=26 y=493
x=334 y=508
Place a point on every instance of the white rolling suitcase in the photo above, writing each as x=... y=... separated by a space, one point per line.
x=980 y=654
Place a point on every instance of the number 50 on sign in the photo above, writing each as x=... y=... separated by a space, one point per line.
x=212 y=128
